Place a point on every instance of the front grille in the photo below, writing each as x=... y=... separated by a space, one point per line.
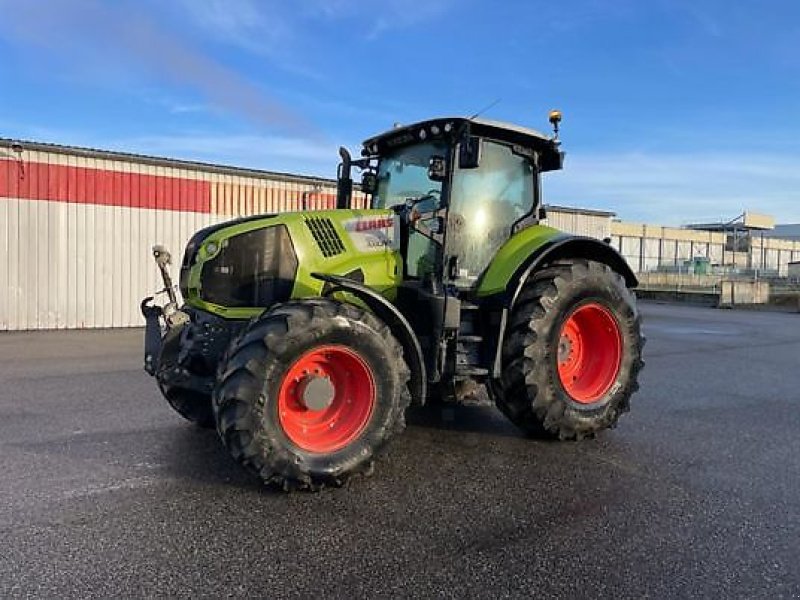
x=252 y=269
x=329 y=242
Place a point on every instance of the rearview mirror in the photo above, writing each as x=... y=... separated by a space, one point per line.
x=369 y=182
x=437 y=168
x=469 y=153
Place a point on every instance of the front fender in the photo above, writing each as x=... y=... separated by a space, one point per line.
x=394 y=319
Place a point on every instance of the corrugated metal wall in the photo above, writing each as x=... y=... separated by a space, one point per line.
x=76 y=227
x=589 y=223
x=650 y=247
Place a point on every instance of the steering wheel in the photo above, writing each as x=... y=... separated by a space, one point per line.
x=408 y=211
x=434 y=195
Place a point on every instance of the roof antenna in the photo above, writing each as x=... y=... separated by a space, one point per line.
x=483 y=110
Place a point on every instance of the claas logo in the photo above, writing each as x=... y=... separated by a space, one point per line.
x=373 y=223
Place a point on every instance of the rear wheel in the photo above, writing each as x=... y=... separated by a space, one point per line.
x=572 y=352
x=311 y=393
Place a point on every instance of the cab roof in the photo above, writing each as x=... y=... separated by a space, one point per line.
x=450 y=128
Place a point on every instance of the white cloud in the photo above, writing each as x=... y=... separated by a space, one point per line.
x=179 y=108
x=112 y=37
x=679 y=188
x=255 y=26
x=274 y=28
x=401 y=14
x=263 y=28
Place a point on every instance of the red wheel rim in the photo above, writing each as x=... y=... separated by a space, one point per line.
x=589 y=353
x=339 y=408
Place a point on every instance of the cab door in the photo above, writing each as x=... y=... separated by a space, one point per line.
x=485 y=203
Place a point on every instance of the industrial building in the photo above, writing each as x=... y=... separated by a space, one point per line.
x=77 y=226
x=739 y=246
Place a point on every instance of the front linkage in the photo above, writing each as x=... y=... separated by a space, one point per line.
x=159 y=319
x=183 y=348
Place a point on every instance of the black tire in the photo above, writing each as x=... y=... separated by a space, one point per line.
x=192 y=405
x=531 y=392
x=249 y=390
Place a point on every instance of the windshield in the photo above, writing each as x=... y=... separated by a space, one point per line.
x=404 y=174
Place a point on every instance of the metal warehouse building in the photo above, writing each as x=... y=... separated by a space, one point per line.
x=77 y=226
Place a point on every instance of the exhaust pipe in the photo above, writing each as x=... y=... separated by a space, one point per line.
x=344 y=188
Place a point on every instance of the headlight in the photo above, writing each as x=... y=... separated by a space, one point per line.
x=211 y=249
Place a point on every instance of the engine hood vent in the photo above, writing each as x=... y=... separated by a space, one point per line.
x=329 y=242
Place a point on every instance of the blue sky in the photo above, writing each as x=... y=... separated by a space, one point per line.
x=674 y=110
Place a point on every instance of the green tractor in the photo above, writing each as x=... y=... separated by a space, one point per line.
x=304 y=337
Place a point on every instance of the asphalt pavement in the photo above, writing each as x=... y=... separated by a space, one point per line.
x=105 y=492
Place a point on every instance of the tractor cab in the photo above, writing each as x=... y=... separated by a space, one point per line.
x=463 y=186
x=463 y=190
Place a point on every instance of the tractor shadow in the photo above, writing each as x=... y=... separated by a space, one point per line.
x=194 y=454
x=179 y=451
x=485 y=420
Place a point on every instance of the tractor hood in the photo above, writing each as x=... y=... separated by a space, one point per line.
x=237 y=269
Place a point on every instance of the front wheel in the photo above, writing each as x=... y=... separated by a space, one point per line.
x=193 y=405
x=310 y=393
x=572 y=352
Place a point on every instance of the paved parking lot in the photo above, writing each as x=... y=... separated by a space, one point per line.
x=105 y=492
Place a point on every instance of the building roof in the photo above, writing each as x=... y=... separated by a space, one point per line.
x=10 y=146
x=747 y=221
x=591 y=212
x=788 y=231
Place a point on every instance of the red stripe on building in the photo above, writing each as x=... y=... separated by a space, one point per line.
x=82 y=185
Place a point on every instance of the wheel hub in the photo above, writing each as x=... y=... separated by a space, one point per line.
x=564 y=349
x=316 y=393
x=326 y=398
x=589 y=352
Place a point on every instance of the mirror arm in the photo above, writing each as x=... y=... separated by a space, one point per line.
x=361 y=163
